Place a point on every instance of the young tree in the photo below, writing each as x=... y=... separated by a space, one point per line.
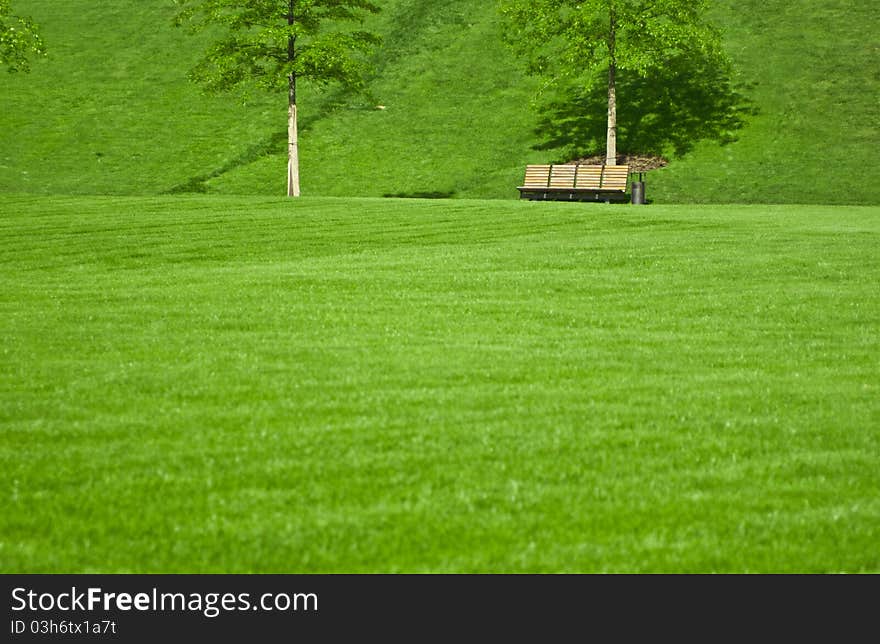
x=565 y=39
x=277 y=43
x=18 y=40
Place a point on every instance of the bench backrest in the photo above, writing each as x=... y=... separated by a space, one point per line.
x=614 y=177
x=585 y=177
x=537 y=176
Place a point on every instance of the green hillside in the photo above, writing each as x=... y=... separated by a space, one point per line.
x=111 y=112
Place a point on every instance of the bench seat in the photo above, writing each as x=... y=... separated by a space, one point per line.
x=575 y=182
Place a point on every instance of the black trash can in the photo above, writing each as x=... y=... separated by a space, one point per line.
x=638 y=192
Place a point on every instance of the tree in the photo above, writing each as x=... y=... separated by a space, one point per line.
x=580 y=39
x=275 y=44
x=19 y=39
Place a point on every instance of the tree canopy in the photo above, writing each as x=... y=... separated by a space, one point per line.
x=573 y=43
x=563 y=38
x=19 y=39
x=277 y=43
x=268 y=41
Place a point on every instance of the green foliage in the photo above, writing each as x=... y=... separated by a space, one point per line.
x=19 y=39
x=667 y=113
x=269 y=41
x=668 y=44
x=568 y=38
x=241 y=385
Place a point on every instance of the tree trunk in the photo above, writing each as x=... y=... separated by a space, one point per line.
x=611 y=142
x=292 y=142
x=292 y=134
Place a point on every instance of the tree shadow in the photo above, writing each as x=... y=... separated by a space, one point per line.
x=669 y=112
x=270 y=145
x=327 y=103
x=436 y=194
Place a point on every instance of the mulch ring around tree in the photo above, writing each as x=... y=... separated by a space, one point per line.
x=636 y=162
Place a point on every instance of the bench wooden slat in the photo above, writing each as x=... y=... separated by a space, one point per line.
x=537 y=176
x=562 y=176
x=615 y=177
x=589 y=177
x=575 y=182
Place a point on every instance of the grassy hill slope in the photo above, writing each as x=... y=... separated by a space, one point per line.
x=111 y=112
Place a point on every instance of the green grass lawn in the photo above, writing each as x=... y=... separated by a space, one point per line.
x=219 y=384
x=110 y=111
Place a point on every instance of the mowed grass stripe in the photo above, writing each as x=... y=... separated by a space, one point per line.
x=239 y=385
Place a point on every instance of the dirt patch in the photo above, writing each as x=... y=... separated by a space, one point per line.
x=636 y=162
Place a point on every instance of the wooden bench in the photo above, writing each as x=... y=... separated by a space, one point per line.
x=572 y=182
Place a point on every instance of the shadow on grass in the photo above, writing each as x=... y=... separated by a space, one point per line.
x=275 y=144
x=688 y=101
x=270 y=145
x=437 y=194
